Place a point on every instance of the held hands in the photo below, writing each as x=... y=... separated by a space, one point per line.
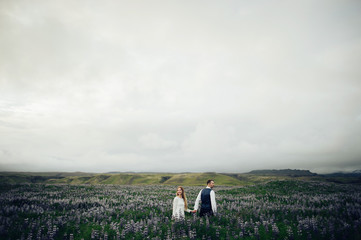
x=193 y=211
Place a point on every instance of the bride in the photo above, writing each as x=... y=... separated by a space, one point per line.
x=180 y=204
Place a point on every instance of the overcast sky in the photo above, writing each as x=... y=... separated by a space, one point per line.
x=224 y=86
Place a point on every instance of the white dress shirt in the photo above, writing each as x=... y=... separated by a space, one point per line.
x=213 y=201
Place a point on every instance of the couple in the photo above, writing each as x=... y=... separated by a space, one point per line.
x=206 y=196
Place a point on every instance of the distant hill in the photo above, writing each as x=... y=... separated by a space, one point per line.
x=283 y=172
x=47 y=174
x=356 y=173
x=186 y=179
x=36 y=177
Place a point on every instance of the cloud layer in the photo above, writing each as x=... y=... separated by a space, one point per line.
x=180 y=85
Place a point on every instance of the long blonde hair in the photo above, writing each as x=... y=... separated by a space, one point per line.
x=183 y=196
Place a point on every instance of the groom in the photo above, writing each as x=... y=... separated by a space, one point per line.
x=208 y=199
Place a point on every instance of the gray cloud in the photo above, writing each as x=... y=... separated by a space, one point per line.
x=180 y=86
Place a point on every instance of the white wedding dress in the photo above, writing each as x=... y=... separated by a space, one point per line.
x=178 y=208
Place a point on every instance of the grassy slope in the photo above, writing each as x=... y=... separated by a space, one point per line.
x=37 y=177
x=47 y=174
x=190 y=179
x=185 y=179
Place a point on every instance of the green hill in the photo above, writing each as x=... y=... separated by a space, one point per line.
x=187 y=179
x=194 y=179
x=37 y=177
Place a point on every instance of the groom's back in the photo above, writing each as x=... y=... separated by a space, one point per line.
x=206 y=198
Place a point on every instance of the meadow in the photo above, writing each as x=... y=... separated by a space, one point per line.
x=288 y=209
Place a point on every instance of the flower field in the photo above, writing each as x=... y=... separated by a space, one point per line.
x=273 y=210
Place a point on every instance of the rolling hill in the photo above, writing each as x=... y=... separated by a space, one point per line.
x=186 y=179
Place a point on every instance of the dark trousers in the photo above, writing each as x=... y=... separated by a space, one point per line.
x=205 y=212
